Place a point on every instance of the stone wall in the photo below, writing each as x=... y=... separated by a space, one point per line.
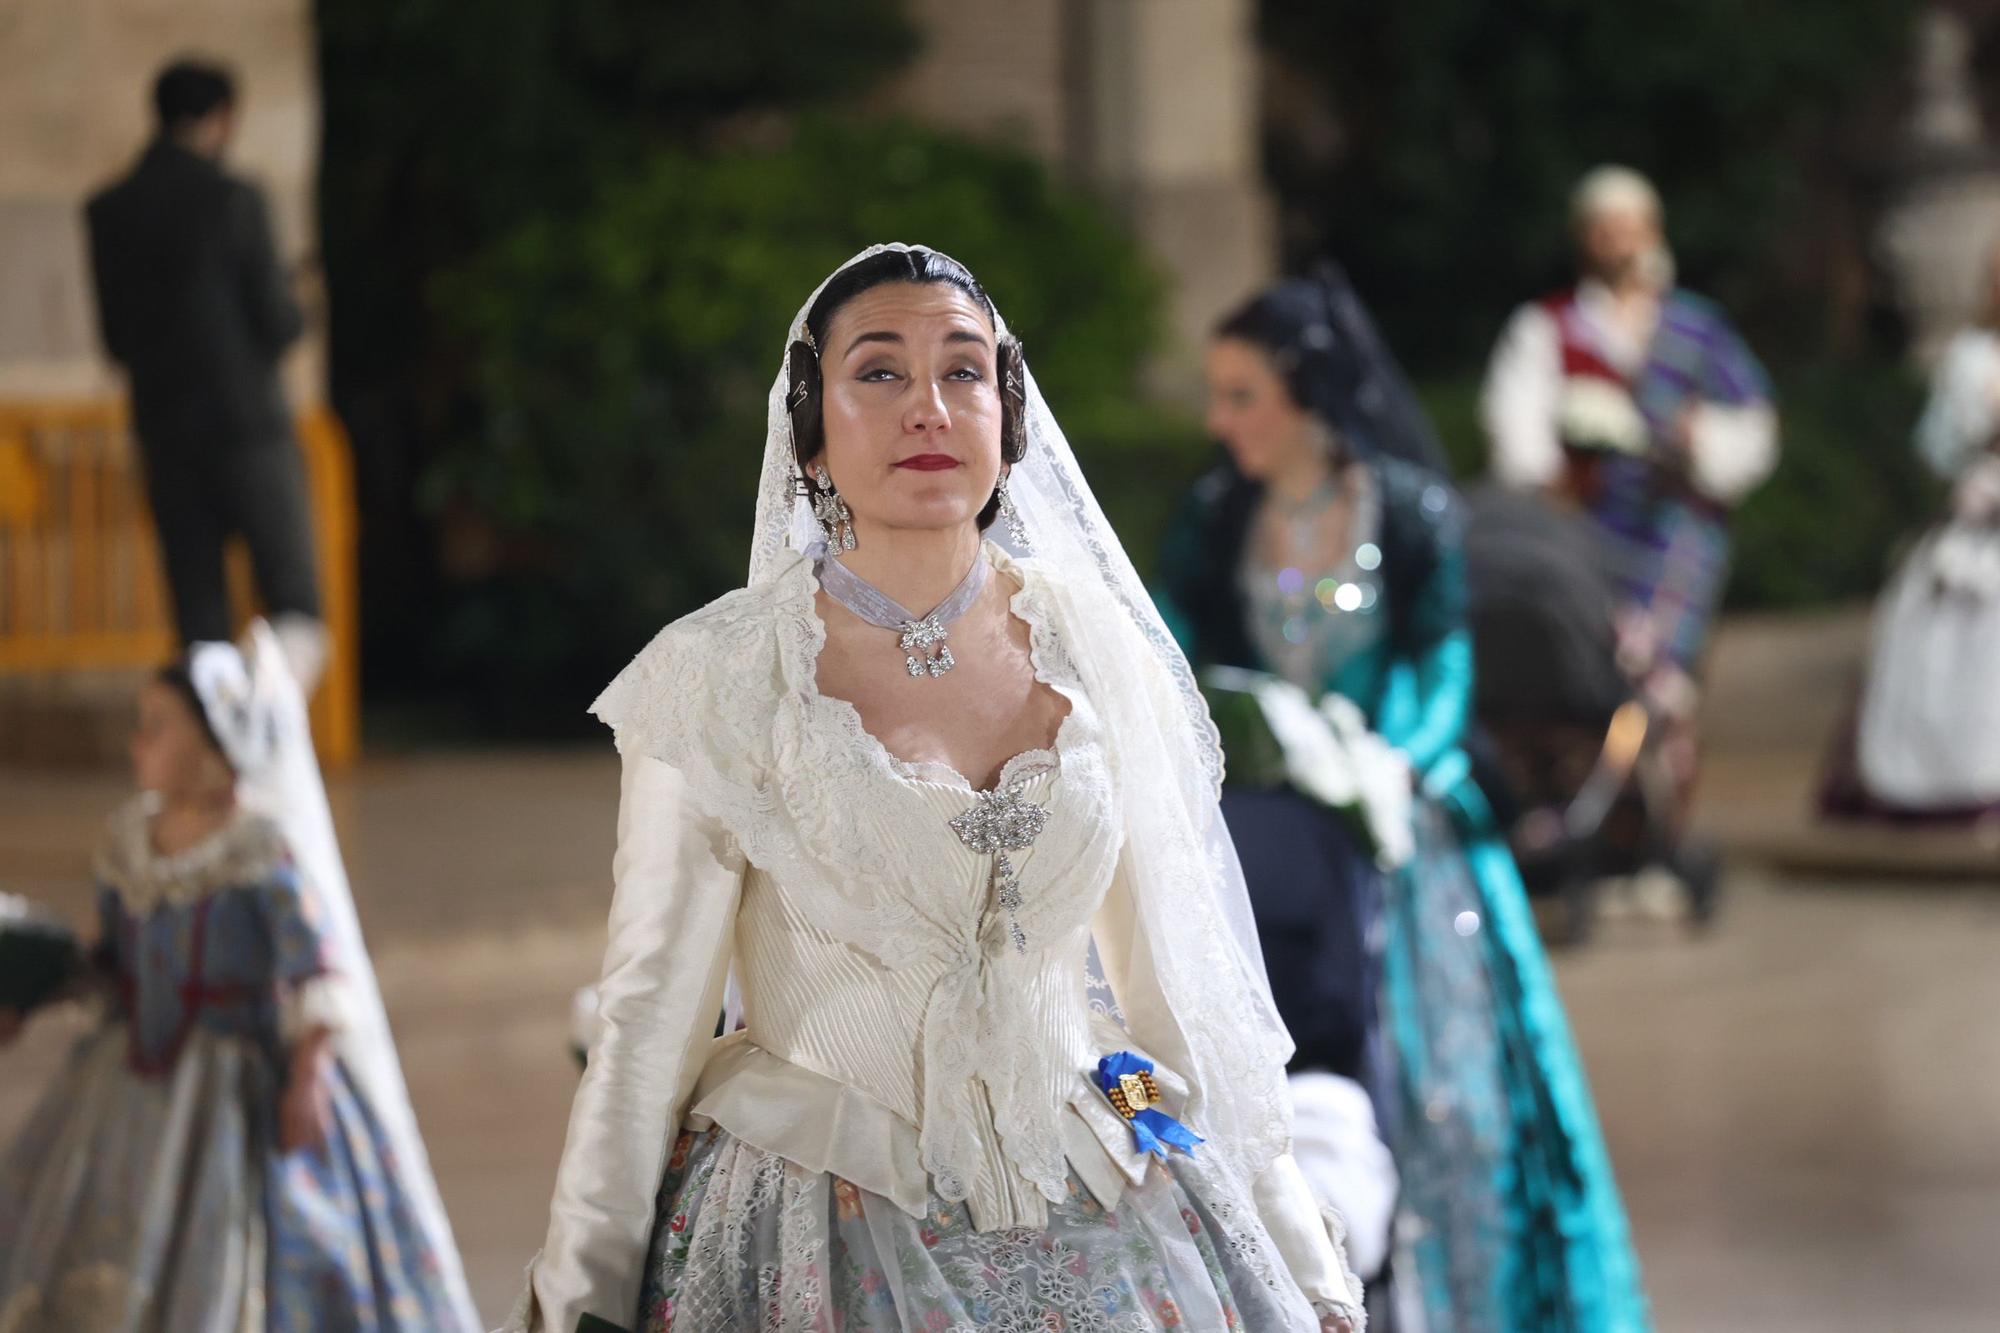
x=75 y=109
x=1151 y=103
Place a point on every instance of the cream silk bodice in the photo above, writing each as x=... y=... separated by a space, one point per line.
x=982 y=1047
x=895 y=1031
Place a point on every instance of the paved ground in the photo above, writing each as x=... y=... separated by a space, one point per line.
x=1801 y=1104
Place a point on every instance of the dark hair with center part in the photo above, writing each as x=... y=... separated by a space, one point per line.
x=926 y=268
x=189 y=90
x=1290 y=322
x=1324 y=346
x=177 y=677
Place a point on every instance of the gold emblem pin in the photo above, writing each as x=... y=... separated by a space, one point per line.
x=1134 y=1093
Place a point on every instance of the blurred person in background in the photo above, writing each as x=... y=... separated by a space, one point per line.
x=231 y=1146
x=1926 y=745
x=192 y=302
x=1325 y=552
x=1637 y=401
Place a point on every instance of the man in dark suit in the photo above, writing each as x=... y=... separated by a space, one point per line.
x=192 y=302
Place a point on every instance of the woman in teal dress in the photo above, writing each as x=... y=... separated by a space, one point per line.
x=1326 y=551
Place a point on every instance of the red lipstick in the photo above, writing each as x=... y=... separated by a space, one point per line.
x=928 y=462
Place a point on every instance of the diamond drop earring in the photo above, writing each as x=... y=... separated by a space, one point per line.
x=835 y=519
x=1015 y=528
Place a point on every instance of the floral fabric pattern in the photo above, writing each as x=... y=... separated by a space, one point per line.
x=747 y=1240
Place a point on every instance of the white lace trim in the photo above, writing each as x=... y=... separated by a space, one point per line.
x=1180 y=851
x=317 y=1002
x=245 y=851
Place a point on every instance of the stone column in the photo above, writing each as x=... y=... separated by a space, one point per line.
x=1945 y=220
x=1151 y=103
x=1174 y=140
x=75 y=110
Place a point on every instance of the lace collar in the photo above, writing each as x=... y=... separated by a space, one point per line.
x=1052 y=667
x=728 y=695
x=245 y=850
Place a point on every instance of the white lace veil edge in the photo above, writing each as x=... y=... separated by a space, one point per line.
x=288 y=789
x=1193 y=905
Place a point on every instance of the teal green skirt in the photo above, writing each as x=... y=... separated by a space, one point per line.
x=1513 y=1219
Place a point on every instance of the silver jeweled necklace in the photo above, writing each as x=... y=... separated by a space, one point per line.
x=923 y=637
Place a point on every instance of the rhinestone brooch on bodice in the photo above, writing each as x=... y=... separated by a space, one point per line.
x=1000 y=822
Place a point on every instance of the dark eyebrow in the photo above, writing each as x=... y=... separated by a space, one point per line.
x=887 y=336
x=879 y=336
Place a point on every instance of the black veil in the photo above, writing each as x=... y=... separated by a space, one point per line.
x=1336 y=365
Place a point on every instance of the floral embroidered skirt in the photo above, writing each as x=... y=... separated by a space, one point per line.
x=745 y=1239
x=161 y=1204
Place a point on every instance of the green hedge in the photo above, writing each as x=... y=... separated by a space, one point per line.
x=623 y=355
x=1432 y=146
x=1848 y=491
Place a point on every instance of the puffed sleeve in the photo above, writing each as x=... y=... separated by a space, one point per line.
x=1520 y=399
x=679 y=878
x=313 y=992
x=1431 y=697
x=1443 y=690
x=1307 y=1238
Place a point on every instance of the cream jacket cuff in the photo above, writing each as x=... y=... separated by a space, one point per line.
x=322 y=1001
x=1311 y=1241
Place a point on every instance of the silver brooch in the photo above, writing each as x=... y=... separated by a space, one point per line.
x=924 y=641
x=1001 y=822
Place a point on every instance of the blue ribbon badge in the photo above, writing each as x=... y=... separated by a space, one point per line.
x=1127 y=1082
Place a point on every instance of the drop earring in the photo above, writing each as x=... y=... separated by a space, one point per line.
x=835 y=519
x=1016 y=529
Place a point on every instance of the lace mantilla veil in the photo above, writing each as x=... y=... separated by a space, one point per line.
x=1193 y=907
x=285 y=786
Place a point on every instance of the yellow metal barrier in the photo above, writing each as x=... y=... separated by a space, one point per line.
x=80 y=581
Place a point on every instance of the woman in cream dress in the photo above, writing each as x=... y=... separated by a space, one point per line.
x=1006 y=1058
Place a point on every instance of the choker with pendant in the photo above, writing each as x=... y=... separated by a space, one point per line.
x=922 y=637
